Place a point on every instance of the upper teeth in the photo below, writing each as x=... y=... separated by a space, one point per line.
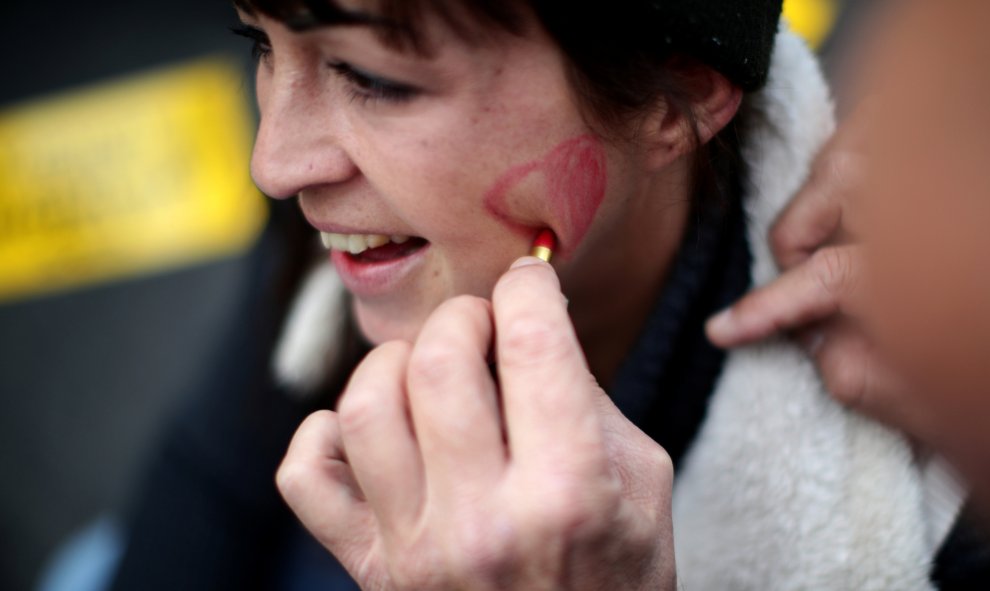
x=358 y=243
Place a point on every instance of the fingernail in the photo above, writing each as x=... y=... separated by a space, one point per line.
x=526 y=262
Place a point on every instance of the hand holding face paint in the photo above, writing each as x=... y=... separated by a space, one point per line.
x=432 y=475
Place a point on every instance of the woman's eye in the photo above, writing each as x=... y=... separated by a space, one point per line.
x=365 y=86
x=260 y=46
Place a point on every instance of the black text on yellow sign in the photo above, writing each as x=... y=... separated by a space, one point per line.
x=127 y=177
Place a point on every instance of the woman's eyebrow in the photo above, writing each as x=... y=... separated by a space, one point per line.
x=311 y=15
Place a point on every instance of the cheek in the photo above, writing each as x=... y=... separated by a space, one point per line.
x=565 y=189
x=577 y=183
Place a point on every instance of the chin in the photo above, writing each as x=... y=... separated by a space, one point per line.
x=381 y=324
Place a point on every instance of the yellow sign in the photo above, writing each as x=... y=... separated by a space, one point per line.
x=812 y=19
x=126 y=177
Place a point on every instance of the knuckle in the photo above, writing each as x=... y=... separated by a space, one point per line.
x=466 y=305
x=843 y=170
x=648 y=481
x=432 y=364
x=834 y=269
x=577 y=511
x=358 y=410
x=390 y=350
x=830 y=169
x=782 y=240
x=660 y=463
x=294 y=474
x=291 y=479
x=321 y=420
x=530 y=339
x=360 y=406
x=832 y=166
x=847 y=383
x=480 y=552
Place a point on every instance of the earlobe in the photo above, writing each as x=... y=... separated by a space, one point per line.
x=670 y=133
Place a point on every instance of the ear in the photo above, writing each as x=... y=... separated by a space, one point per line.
x=669 y=134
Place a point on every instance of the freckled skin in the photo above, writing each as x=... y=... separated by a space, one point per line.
x=575 y=180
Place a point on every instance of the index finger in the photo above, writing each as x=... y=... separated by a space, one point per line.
x=825 y=285
x=548 y=392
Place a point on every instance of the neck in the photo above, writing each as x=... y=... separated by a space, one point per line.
x=610 y=304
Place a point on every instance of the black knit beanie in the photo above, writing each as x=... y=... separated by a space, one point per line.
x=735 y=37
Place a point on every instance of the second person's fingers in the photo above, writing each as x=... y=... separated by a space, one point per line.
x=823 y=210
x=857 y=377
x=811 y=220
x=818 y=288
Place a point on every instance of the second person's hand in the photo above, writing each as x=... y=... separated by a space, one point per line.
x=819 y=297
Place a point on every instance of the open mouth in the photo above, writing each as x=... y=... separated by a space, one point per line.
x=372 y=248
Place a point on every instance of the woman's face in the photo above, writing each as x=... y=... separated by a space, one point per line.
x=456 y=159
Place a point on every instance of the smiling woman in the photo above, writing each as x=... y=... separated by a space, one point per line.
x=440 y=117
x=429 y=143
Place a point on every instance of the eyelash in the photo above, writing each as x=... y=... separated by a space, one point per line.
x=260 y=46
x=364 y=87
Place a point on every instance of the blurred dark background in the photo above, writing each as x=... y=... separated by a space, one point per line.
x=88 y=373
x=94 y=356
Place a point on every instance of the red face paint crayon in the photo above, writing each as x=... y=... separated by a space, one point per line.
x=544 y=245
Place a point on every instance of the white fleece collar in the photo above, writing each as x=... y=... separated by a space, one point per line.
x=783 y=489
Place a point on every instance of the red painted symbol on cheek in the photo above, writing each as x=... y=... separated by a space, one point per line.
x=574 y=176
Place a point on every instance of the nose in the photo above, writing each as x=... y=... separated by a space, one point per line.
x=298 y=143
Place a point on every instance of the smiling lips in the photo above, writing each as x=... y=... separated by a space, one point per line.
x=373 y=265
x=371 y=248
